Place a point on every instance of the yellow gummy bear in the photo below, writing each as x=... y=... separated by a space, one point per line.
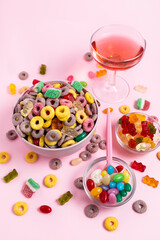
x=12 y=88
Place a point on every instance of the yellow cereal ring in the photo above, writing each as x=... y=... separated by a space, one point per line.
x=81 y=116
x=47 y=113
x=57 y=85
x=41 y=141
x=30 y=139
x=37 y=122
x=73 y=93
x=47 y=124
x=50 y=143
x=111 y=223
x=63 y=113
x=31 y=157
x=68 y=143
x=89 y=98
x=23 y=89
x=50 y=180
x=20 y=208
x=39 y=95
x=124 y=109
x=4 y=157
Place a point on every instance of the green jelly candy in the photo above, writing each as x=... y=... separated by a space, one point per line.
x=139 y=103
x=10 y=176
x=119 y=198
x=123 y=193
x=77 y=85
x=43 y=69
x=84 y=84
x=118 y=177
x=53 y=93
x=33 y=184
x=65 y=198
x=81 y=136
x=127 y=187
x=39 y=86
x=139 y=140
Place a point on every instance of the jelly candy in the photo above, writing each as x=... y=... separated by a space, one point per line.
x=110 y=170
x=70 y=78
x=143 y=146
x=38 y=87
x=30 y=187
x=103 y=196
x=120 y=186
x=127 y=187
x=138 y=166
x=96 y=191
x=57 y=124
x=126 y=176
x=53 y=93
x=140 y=88
x=119 y=197
x=71 y=132
x=45 y=209
x=139 y=140
x=123 y=193
x=118 y=177
x=132 y=143
x=35 y=81
x=43 y=69
x=133 y=118
x=101 y=73
x=84 y=84
x=77 y=85
x=90 y=184
x=10 y=176
x=91 y=75
x=81 y=136
x=142 y=104
x=106 y=109
x=150 y=181
x=69 y=97
x=77 y=105
x=65 y=198
x=152 y=128
x=119 y=168
x=27 y=108
x=12 y=88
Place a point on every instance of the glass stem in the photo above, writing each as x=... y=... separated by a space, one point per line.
x=111 y=78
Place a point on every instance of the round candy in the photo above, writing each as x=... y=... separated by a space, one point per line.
x=84 y=84
x=4 y=157
x=123 y=193
x=91 y=211
x=106 y=179
x=103 y=196
x=126 y=176
x=11 y=135
x=104 y=187
x=20 y=208
x=112 y=198
x=110 y=169
x=96 y=191
x=111 y=223
x=79 y=183
x=113 y=190
x=120 y=186
x=50 y=180
x=31 y=157
x=119 y=198
x=139 y=206
x=23 y=75
x=45 y=209
x=55 y=163
x=88 y=56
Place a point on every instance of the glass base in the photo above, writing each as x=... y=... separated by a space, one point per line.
x=110 y=93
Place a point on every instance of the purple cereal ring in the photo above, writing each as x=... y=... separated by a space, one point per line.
x=72 y=110
x=70 y=121
x=82 y=100
x=37 y=133
x=96 y=138
x=88 y=110
x=53 y=102
x=85 y=155
x=88 y=125
x=94 y=117
x=37 y=108
x=92 y=147
x=17 y=108
x=93 y=108
x=47 y=86
x=20 y=132
x=11 y=135
x=31 y=115
x=102 y=144
x=17 y=119
x=113 y=190
x=66 y=102
x=41 y=100
x=53 y=135
x=25 y=127
x=65 y=91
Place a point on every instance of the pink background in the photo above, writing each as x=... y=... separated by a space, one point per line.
x=57 y=33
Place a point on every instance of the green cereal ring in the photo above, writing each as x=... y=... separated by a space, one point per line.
x=43 y=69
x=53 y=93
x=39 y=86
x=33 y=184
x=84 y=84
x=65 y=198
x=10 y=176
x=77 y=85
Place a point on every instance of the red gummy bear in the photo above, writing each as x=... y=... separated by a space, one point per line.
x=132 y=129
x=138 y=166
x=119 y=168
x=132 y=143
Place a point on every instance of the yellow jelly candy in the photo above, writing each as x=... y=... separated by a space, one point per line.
x=103 y=173
x=126 y=176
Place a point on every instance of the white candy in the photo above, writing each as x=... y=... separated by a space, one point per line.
x=156 y=138
x=97 y=177
x=143 y=146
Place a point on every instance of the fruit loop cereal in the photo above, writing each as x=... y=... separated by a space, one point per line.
x=111 y=223
x=138 y=132
x=4 y=157
x=20 y=208
x=124 y=109
x=31 y=157
x=91 y=211
x=48 y=113
x=139 y=206
x=50 y=180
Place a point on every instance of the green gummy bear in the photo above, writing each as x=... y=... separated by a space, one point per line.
x=10 y=176
x=65 y=198
x=33 y=184
x=139 y=140
x=139 y=103
x=43 y=69
x=152 y=128
x=77 y=85
x=39 y=86
x=53 y=93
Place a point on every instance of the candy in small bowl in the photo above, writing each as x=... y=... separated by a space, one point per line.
x=138 y=132
x=109 y=186
x=55 y=118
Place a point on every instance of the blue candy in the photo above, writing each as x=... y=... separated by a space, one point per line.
x=112 y=184
x=104 y=187
x=120 y=186
x=110 y=170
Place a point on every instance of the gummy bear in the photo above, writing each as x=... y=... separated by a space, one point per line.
x=133 y=118
x=10 y=176
x=65 y=198
x=43 y=69
x=152 y=128
x=101 y=73
x=132 y=143
x=138 y=166
x=132 y=129
x=12 y=88
x=71 y=132
x=57 y=124
x=150 y=181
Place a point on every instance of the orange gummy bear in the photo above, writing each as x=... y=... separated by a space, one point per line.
x=101 y=73
x=56 y=124
x=106 y=109
x=150 y=181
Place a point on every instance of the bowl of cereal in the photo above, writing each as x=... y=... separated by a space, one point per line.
x=55 y=118
x=138 y=132
x=109 y=186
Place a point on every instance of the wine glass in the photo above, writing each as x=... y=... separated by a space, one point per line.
x=116 y=48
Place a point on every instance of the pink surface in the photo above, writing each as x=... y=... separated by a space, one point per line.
x=57 y=33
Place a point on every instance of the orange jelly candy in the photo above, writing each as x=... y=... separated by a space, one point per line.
x=106 y=109
x=133 y=118
x=56 y=124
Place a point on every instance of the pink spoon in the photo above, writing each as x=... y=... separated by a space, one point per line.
x=109 y=138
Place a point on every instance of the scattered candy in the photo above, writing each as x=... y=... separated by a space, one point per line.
x=79 y=183
x=35 y=81
x=158 y=155
x=111 y=223
x=50 y=180
x=91 y=211
x=91 y=75
x=65 y=198
x=12 y=88
x=70 y=78
x=84 y=84
x=77 y=85
x=20 y=208
x=150 y=181
x=124 y=109
x=88 y=56
x=55 y=163
x=23 y=75
x=23 y=89
x=4 y=157
x=30 y=187
x=138 y=166
x=140 y=88
x=10 y=176
x=53 y=93
x=31 y=157
x=139 y=206
x=101 y=73
x=43 y=69
x=142 y=104
x=76 y=161
x=119 y=168
x=45 y=209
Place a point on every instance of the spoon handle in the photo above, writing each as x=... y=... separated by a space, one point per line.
x=109 y=138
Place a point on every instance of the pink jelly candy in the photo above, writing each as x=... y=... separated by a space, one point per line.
x=91 y=75
x=112 y=198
